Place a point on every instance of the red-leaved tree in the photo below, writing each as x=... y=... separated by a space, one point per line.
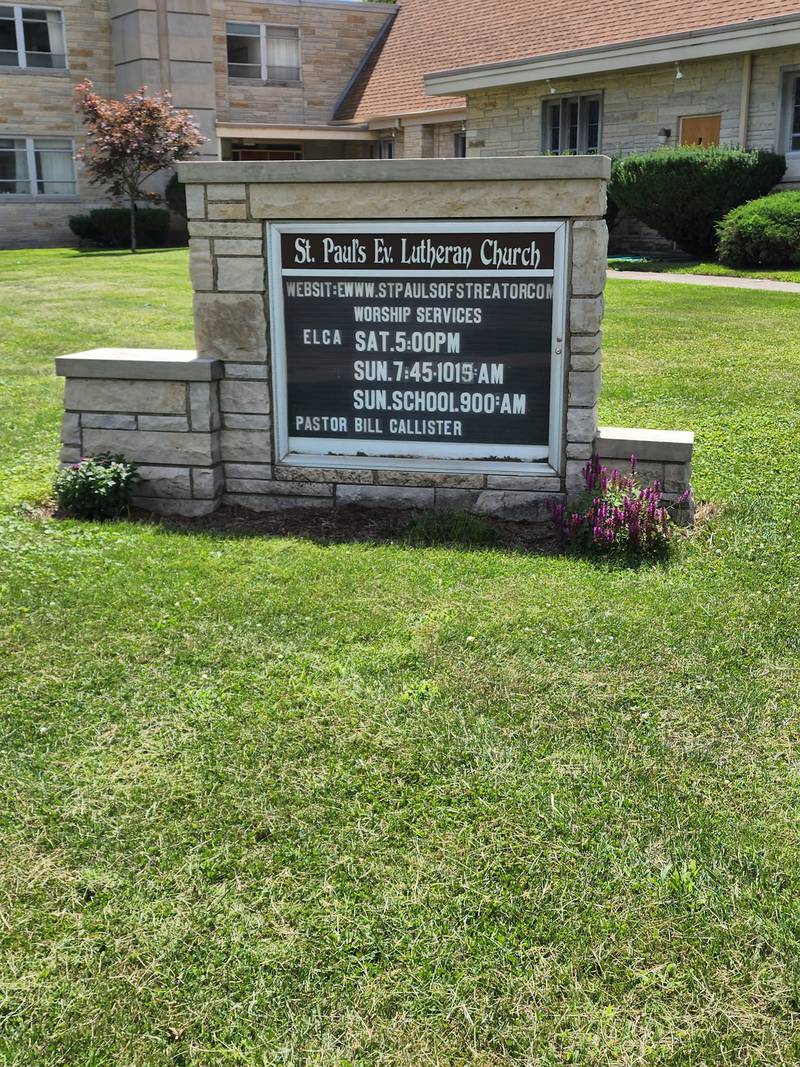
x=131 y=139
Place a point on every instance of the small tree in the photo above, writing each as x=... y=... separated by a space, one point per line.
x=132 y=139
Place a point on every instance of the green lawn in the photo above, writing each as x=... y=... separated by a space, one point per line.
x=267 y=802
x=661 y=266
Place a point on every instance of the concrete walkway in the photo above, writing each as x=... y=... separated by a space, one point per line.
x=706 y=279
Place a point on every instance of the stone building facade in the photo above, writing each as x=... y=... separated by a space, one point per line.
x=637 y=104
x=36 y=110
x=641 y=110
x=182 y=46
x=285 y=80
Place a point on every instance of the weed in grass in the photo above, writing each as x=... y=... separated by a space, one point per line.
x=450 y=528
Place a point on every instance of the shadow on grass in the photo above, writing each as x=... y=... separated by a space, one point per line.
x=457 y=531
x=357 y=525
x=380 y=526
x=99 y=253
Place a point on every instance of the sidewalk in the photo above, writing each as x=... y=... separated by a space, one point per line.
x=706 y=279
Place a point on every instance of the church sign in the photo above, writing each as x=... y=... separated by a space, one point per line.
x=427 y=345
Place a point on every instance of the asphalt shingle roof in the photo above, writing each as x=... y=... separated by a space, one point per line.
x=436 y=35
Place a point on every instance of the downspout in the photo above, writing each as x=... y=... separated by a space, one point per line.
x=744 y=104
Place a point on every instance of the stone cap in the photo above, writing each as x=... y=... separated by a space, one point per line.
x=493 y=168
x=652 y=446
x=157 y=364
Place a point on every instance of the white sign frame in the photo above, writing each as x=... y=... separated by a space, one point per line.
x=442 y=457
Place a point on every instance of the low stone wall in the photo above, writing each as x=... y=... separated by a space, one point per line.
x=168 y=411
x=661 y=455
x=157 y=408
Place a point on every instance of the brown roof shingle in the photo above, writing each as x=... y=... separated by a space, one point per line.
x=436 y=35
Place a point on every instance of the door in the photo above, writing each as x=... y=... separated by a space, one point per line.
x=701 y=130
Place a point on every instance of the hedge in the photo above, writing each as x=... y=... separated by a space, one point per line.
x=110 y=227
x=763 y=233
x=175 y=196
x=683 y=193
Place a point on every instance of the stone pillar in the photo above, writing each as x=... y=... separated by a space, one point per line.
x=168 y=44
x=418 y=141
x=588 y=281
x=229 y=205
x=158 y=409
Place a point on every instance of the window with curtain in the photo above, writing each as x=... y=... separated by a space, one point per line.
x=265 y=53
x=32 y=38
x=571 y=125
x=37 y=166
x=283 y=54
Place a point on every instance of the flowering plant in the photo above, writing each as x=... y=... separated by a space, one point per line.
x=618 y=514
x=98 y=488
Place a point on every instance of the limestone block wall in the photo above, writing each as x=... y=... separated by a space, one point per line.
x=334 y=38
x=200 y=424
x=637 y=103
x=166 y=45
x=159 y=409
x=662 y=455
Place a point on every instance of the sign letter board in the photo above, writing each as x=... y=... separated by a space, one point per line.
x=419 y=345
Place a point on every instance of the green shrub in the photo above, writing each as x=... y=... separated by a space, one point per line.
x=682 y=193
x=110 y=227
x=98 y=488
x=175 y=196
x=763 y=233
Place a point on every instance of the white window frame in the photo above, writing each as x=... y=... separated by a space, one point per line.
x=403 y=455
x=561 y=99
x=33 y=176
x=19 y=29
x=263 y=28
x=789 y=77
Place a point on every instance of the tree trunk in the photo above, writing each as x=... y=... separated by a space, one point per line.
x=133 y=225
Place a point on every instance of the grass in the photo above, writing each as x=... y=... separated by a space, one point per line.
x=661 y=266
x=270 y=802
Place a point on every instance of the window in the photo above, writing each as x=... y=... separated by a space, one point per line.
x=265 y=53
x=37 y=166
x=383 y=149
x=571 y=125
x=792 y=98
x=701 y=130
x=460 y=145
x=32 y=38
x=273 y=152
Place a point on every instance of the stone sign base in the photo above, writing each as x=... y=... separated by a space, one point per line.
x=174 y=415
x=485 y=278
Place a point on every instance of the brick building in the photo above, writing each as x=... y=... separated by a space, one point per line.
x=339 y=79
